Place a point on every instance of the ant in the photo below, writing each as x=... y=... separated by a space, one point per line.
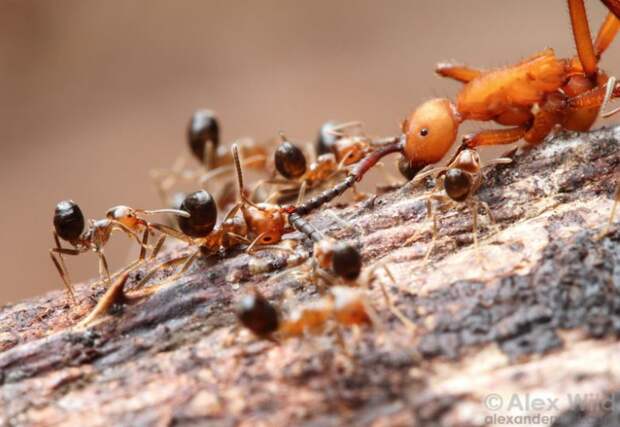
x=343 y=305
x=70 y=226
x=203 y=137
x=532 y=97
x=460 y=180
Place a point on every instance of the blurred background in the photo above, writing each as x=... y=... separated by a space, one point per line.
x=94 y=94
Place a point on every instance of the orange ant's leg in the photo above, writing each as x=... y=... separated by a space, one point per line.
x=613 y=6
x=494 y=137
x=594 y=97
x=583 y=39
x=461 y=73
x=606 y=33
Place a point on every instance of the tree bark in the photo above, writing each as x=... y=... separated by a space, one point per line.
x=538 y=316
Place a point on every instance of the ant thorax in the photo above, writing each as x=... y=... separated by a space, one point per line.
x=98 y=233
x=351 y=149
x=323 y=168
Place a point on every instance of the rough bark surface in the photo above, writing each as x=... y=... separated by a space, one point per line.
x=539 y=315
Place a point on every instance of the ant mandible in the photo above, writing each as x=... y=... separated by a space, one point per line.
x=532 y=97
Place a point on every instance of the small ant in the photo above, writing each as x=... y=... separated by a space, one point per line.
x=203 y=137
x=70 y=226
x=460 y=180
x=198 y=228
x=343 y=305
x=532 y=97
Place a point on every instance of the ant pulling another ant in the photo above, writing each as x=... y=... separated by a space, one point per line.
x=532 y=98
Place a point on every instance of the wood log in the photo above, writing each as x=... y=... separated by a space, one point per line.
x=536 y=317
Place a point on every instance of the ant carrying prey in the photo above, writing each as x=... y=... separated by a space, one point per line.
x=531 y=98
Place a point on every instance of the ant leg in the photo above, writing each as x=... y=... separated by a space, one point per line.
x=583 y=39
x=460 y=73
x=161 y=266
x=487 y=209
x=612 y=214
x=596 y=97
x=302 y=192
x=164 y=229
x=607 y=33
x=113 y=295
x=613 y=6
x=431 y=215
x=64 y=276
x=103 y=268
x=473 y=207
x=187 y=264
x=494 y=137
x=388 y=299
x=145 y=241
x=158 y=246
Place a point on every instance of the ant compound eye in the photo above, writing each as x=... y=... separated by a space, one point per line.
x=258 y=315
x=457 y=184
x=69 y=220
x=346 y=261
x=423 y=132
x=203 y=214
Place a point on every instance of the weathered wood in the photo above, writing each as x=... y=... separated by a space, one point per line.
x=540 y=315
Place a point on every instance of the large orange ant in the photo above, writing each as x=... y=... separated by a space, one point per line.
x=532 y=97
x=70 y=226
x=203 y=137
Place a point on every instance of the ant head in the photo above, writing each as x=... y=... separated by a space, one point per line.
x=430 y=132
x=202 y=128
x=290 y=160
x=68 y=220
x=123 y=214
x=327 y=138
x=351 y=149
x=408 y=170
x=458 y=184
x=203 y=214
x=346 y=261
x=265 y=220
x=258 y=315
x=467 y=160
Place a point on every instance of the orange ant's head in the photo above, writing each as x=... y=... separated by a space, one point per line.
x=430 y=131
x=265 y=220
x=125 y=215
